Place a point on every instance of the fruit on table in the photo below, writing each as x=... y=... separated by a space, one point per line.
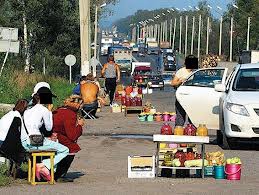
x=190 y=156
x=176 y=162
x=198 y=156
x=163 y=145
x=181 y=156
x=190 y=130
x=215 y=158
x=195 y=163
x=235 y=160
x=183 y=145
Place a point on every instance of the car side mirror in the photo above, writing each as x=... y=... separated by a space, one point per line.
x=220 y=87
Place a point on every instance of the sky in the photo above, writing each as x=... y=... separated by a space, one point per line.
x=128 y=7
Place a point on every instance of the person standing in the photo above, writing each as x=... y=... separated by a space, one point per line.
x=191 y=63
x=111 y=72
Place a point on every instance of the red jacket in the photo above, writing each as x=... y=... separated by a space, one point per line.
x=64 y=124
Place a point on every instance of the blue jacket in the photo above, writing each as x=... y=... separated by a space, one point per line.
x=76 y=90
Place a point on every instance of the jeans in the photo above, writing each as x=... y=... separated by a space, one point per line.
x=63 y=166
x=62 y=151
x=110 y=85
x=180 y=115
x=88 y=107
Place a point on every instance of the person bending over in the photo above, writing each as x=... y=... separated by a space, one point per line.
x=89 y=93
x=68 y=126
x=191 y=63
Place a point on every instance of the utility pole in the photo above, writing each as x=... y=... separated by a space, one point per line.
x=220 y=35
x=248 y=33
x=180 y=37
x=199 y=37
x=193 y=26
x=186 y=36
x=84 y=8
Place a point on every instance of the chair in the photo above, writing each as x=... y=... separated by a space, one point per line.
x=88 y=114
x=32 y=165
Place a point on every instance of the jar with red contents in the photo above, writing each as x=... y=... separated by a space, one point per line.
x=133 y=102
x=166 y=129
x=123 y=100
x=127 y=101
x=140 y=90
x=139 y=101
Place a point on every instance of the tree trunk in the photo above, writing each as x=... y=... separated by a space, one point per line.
x=26 y=45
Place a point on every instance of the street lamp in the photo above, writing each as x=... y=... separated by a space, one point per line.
x=95 y=34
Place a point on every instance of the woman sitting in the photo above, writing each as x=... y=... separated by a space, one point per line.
x=34 y=118
x=68 y=127
x=10 y=132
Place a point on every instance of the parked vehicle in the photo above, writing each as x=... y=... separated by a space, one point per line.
x=231 y=104
x=106 y=42
x=156 y=81
x=239 y=105
x=251 y=56
x=167 y=78
x=140 y=72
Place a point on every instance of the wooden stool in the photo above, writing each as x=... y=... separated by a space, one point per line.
x=32 y=165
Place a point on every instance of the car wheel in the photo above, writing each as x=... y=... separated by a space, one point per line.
x=222 y=139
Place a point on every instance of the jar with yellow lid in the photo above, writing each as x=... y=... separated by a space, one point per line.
x=202 y=130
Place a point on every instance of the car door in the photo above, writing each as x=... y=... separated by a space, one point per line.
x=198 y=97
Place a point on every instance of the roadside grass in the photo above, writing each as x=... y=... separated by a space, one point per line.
x=4 y=179
x=1 y=114
x=16 y=84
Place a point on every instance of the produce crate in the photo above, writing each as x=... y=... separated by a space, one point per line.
x=116 y=109
x=141 y=166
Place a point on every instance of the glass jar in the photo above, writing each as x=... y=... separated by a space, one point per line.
x=202 y=130
x=178 y=130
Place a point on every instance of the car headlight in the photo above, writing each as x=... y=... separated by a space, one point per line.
x=160 y=83
x=237 y=109
x=150 y=83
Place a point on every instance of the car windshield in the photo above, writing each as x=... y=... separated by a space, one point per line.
x=123 y=61
x=142 y=72
x=205 y=78
x=247 y=80
x=167 y=76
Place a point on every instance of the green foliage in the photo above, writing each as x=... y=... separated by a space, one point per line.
x=4 y=179
x=53 y=31
x=16 y=84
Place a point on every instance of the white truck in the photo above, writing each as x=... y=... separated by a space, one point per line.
x=123 y=57
x=105 y=43
x=251 y=56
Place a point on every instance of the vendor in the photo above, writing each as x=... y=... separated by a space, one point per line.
x=191 y=63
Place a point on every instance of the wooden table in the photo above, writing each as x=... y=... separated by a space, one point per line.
x=202 y=140
x=133 y=108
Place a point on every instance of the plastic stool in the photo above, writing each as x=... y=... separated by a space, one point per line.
x=32 y=165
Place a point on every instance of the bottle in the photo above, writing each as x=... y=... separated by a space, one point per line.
x=202 y=130
x=178 y=130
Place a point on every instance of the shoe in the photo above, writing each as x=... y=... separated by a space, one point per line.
x=64 y=180
x=37 y=171
x=45 y=174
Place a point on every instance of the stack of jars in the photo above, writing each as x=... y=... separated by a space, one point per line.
x=131 y=101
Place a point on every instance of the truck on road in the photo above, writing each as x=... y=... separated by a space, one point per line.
x=152 y=46
x=123 y=57
x=140 y=72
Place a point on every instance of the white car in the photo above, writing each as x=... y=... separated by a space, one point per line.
x=239 y=105
x=229 y=104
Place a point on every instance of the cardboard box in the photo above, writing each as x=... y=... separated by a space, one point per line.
x=116 y=109
x=141 y=166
